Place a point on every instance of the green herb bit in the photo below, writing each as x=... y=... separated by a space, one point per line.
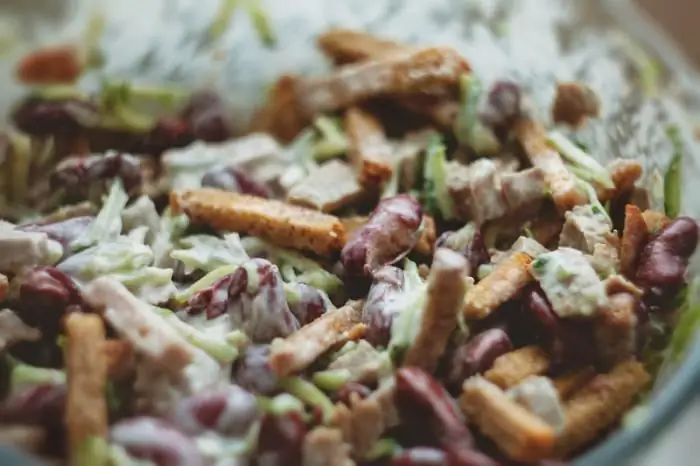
x=673 y=175
x=540 y=263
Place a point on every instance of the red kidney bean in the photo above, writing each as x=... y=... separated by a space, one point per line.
x=230 y=411
x=234 y=179
x=52 y=117
x=502 y=107
x=64 y=231
x=351 y=389
x=208 y=116
x=252 y=371
x=36 y=405
x=476 y=356
x=79 y=175
x=377 y=314
x=664 y=259
x=256 y=304
x=420 y=396
x=538 y=305
x=155 y=440
x=280 y=440
x=310 y=304
x=44 y=296
x=168 y=133
x=472 y=247
x=389 y=235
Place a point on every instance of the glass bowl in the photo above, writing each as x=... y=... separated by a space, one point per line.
x=644 y=82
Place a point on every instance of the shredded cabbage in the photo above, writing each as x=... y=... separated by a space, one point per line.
x=332 y=380
x=435 y=193
x=108 y=223
x=331 y=141
x=309 y=394
x=23 y=375
x=469 y=129
x=581 y=164
x=673 y=177
x=410 y=305
x=208 y=252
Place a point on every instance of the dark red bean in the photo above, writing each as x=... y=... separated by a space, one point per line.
x=35 y=405
x=538 y=305
x=257 y=304
x=477 y=355
x=665 y=258
x=309 y=305
x=351 y=390
x=420 y=397
x=229 y=411
x=280 y=440
x=168 y=133
x=502 y=107
x=154 y=440
x=64 y=231
x=208 y=116
x=44 y=297
x=252 y=371
x=390 y=233
x=377 y=314
x=420 y=456
x=235 y=180
x=52 y=117
x=472 y=247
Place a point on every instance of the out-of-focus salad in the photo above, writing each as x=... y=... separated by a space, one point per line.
x=396 y=265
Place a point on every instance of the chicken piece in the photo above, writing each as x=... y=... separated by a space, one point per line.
x=86 y=371
x=281 y=116
x=568 y=383
x=433 y=70
x=330 y=188
x=539 y=395
x=584 y=227
x=616 y=329
x=563 y=185
x=574 y=104
x=447 y=286
x=280 y=223
x=14 y=330
x=369 y=150
x=23 y=250
x=475 y=190
x=324 y=446
x=523 y=191
x=634 y=237
x=512 y=368
x=345 y=46
x=518 y=433
x=364 y=363
x=303 y=347
x=655 y=221
x=442 y=111
x=546 y=228
x=597 y=405
x=501 y=285
x=150 y=336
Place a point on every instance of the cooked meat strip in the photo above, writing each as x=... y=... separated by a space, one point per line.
x=512 y=368
x=329 y=188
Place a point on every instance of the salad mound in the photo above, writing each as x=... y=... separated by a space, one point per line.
x=397 y=264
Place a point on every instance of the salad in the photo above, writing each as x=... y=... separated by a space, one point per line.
x=397 y=264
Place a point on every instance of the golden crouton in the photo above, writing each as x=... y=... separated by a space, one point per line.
x=369 y=149
x=564 y=186
x=301 y=348
x=546 y=228
x=502 y=284
x=599 y=404
x=331 y=187
x=655 y=221
x=512 y=368
x=574 y=103
x=634 y=237
x=282 y=224
x=521 y=435
x=281 y=116
x=86 y=370
x=324 y=446
x=568 y=383
x=445 y=296
x=349 y=46
x=624 y=173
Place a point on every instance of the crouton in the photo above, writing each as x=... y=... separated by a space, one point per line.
x=521 y=435
x=568 y=383
x=301 y=348
x=345 y=46
x=324 y=446
x=634 y=238
x=280 y=223
x=331 y=187
x=574 y=104
x=369 y=150
x=281 y=116
x=600 y=403
x=501 y=285
x=512 y=368
x=86 y=370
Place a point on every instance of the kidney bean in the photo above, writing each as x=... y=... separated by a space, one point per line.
x=420 y=397
x=52 y=117
x=472 y=247
x=64 y=231
x=234 y=179
x=280 y=440
x=664 y=259
x=208 y=116
x=44 y=297
x=538 y=305
x=252 y=371
x=168 y=133
x=256 y=304
x=377 y=313
x=155 y=440
x=502 y=107
x=36 y=405
x=229 y=411
x=476 y=356
x=351 y=389
x=310 y=304
x=389 y=235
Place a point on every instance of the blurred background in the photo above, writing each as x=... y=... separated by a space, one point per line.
x=679 y=18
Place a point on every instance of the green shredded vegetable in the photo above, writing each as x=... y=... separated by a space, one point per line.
x=385 y=447
x=261 y=22
x=108 y=223
x=331 y=380
x=94 y=451
x=673 y=175
x=331 y=142
x=24 y=374
x=204 y=282
x=468 y=129
x=309 y=394
x=583 y=165
x=435 y=194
